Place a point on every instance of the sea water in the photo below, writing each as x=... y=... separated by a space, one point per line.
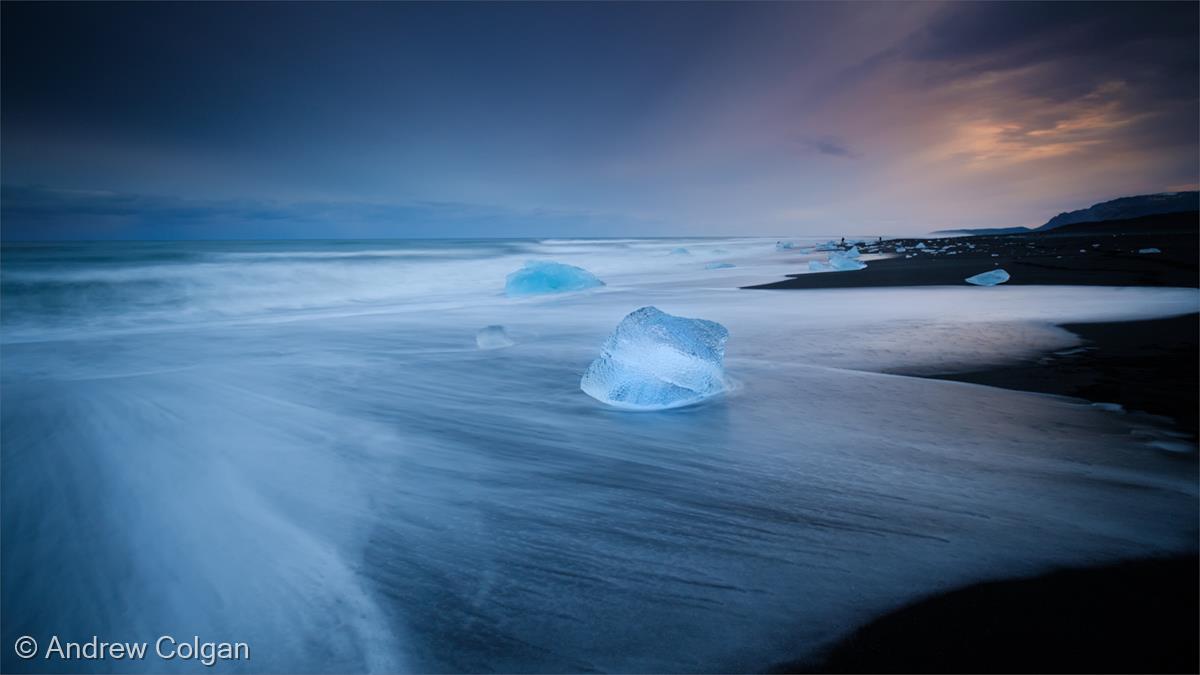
x=299 y=446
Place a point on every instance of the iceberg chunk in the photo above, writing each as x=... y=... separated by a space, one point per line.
x=1149 y=250
x=783 y=245
x=718 y=266
x=655 y=361
x=818 y=266
x=852 y=253
x=680 y=251
x=538 y=277
x=991 y=278
x=842 y=263
x=920 y=244
x=493 y=337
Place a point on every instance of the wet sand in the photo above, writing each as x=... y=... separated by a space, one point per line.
x=1137 y=616
x=1143 y=366
x=1093 y=254
x=1133 y=617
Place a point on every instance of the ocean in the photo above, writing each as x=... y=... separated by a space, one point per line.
x=297 y=445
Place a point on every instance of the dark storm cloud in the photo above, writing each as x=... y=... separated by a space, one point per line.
x=1077 y=44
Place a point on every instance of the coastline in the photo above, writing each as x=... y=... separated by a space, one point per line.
x=1139 y=615
x=1146 y=366
x=1132 y=616
x=1091 y=254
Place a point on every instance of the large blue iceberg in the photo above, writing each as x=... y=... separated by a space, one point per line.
x=538 y=277
x=655 y=361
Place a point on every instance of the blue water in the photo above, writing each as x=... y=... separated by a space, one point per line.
x=299 y=446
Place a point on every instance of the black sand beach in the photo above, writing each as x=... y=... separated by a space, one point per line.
x=1137 y=616
x=1094 y=254
x=1144 y=366
x=1132 y=617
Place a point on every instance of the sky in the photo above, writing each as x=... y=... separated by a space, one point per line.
x=277 y=120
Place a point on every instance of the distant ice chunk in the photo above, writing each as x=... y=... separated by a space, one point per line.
x=655 y=361
x=1149 y=250
x=539 y=277
x=900 y=249
x=680 y=251
x=991 y=278
x=493 y=337
x=784 y=245
x=842 y=263
x=719 y=266
x=920 y=244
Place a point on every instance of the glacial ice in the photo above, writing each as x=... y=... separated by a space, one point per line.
x=920 y=244
x=680 y=251
x=852 y=253
x=493 y=337
x=539 y=277
x=783 y=245
x=990 y=278
x=842 y=263
x=655 y=361
x=1149 y=250
x=900 y=249
x=719 y=266
x=818 y=266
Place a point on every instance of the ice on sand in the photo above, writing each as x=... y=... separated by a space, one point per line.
x=1149 y=250
x=920 y=244
x=818 y=266
x=991 y=278
x=493 y=337
x=843 y=263
x=718 y=266
x=539 y=277
x=655 y=361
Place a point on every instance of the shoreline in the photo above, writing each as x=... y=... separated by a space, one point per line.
x=1138 y=615
x=1147 y=366
x=1092 y=254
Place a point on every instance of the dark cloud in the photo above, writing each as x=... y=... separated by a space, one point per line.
x=1073 y=46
